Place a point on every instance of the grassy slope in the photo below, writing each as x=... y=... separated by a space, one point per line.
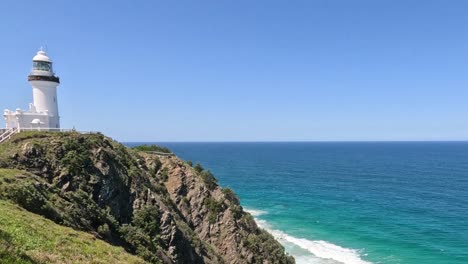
x=29 y=238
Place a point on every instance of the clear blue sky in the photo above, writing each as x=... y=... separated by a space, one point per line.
x=246 y=70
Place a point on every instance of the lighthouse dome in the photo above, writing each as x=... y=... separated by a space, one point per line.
x=41 y=56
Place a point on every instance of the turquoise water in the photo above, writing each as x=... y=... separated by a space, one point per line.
x=350 y=202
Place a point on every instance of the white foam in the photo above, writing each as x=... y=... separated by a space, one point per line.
x=323 y=251
x=254 y=212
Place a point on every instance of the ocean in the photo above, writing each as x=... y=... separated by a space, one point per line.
x=350 y=202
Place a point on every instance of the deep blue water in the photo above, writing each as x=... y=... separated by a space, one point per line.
x=368 y=202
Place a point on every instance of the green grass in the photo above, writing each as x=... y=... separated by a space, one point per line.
x=29 y=238
x=13 y=176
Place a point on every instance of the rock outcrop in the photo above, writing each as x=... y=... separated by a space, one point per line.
x=156 y=206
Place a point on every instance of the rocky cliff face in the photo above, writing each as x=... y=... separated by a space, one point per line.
x=158 y=207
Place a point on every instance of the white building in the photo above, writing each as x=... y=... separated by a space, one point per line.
x=43 y=112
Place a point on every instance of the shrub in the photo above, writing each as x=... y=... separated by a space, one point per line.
x=198 y=168
x=147 y=219
x=264 y=242
x=214 y=208
x=77 y=155
x=154 y=148
x=209 y=179
x=213 y=205
x=32 y=199
x=230 y=195
x=156 y=166
x=165 y=174
x=104 y=231
x=236 y=211
x=142 y=232
x=212 y=218
x=140 y=242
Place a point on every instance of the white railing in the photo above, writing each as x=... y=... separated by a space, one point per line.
x=7 y=134
x=42 y=129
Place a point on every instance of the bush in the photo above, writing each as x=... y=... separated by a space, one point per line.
x=104 y=231
x=140 y=242
x=264 y=242
x=209 y=179
x=198 y=168
x=152 y=148
x=156 y=166
x=212 y=218
x=213 y=205
x=230 y=195
x=142 y=232
x=236 y=211
x=214 y=208
x=31 y=199
x=164 y=174
x=147 y=219
x=77 y=155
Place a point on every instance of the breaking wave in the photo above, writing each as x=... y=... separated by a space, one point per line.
x=310 y=251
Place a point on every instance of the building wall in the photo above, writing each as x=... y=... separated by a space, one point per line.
x=24 y=119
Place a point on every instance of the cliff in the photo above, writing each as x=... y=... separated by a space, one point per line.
x=157 y=207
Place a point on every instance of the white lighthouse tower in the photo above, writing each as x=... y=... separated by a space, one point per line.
x=43 y=112
x=44 y=84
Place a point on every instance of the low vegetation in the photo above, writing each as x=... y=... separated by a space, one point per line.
x=198 y=168
x=209 y=179
x=152 y=148
x=29 y=238
x=230 y=195
x=214 y=209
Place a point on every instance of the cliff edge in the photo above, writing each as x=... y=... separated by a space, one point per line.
x=155 y=206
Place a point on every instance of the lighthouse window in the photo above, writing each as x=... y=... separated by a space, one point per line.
x=42 y=66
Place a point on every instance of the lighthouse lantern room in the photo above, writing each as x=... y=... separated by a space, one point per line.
x=43 y=112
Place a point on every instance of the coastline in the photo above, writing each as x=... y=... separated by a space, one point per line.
x=375 y=198
x=306 y=251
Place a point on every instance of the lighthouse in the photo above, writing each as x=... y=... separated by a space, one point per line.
x=43 y=112
x=44 y=84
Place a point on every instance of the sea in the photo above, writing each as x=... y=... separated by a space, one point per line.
x=350 y=202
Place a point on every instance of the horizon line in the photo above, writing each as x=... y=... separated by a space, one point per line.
x=307 y=141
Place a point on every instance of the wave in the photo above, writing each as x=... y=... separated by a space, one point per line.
x=319 y=251
x=255 y=212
